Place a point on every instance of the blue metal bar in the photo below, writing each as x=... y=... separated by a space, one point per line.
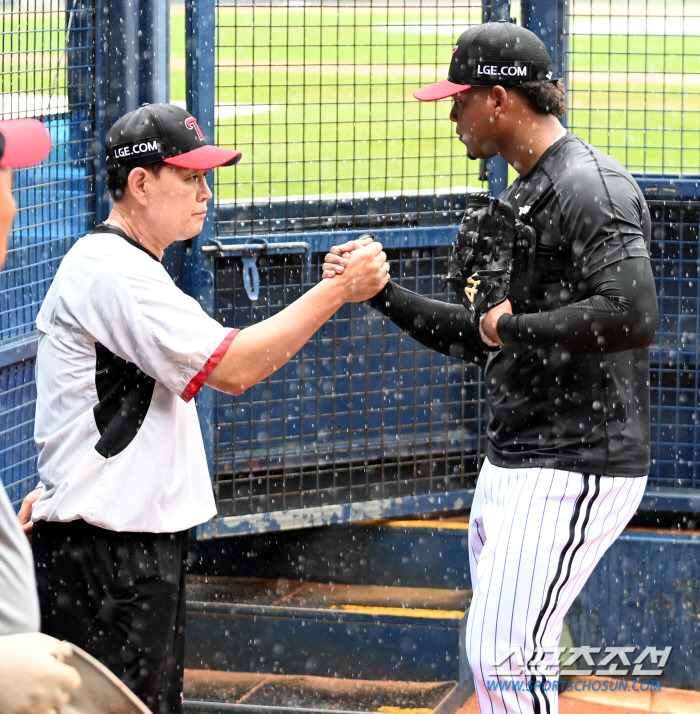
x=154 y=51
x=497 y=175
x=547 y=19
x=671 y=500
x=321 y=241
x=122 y=58
x=198 y=278
x=495 y=170
x=495 y=10
x=14 y=352
x=665 y=186
x=671 y=537
x=200 y=73
x=116 y=80
x=342 y=513
x=102 y=201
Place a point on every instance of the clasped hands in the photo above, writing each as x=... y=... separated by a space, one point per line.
x=338 y=258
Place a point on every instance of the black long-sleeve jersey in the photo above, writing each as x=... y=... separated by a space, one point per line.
x=570 y=387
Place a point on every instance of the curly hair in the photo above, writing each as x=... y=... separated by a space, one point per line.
x=116 y=183
x=545 y=97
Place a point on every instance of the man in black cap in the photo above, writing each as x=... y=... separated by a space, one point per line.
x=122 y=352
x=567 y=384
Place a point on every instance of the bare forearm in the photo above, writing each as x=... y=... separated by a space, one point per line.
x=261 y=349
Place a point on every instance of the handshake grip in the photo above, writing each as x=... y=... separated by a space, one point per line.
x=480 y=263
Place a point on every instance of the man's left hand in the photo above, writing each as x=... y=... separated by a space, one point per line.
x=487 y=325
x=24 y=516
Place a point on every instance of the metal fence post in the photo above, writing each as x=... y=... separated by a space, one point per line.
x=80 y=74
x=200 y=36
x=101 y=125
x=495 y=170
x=154 y=51
x=547 y=19
x=131 y=67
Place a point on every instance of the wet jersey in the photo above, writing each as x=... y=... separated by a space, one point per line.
x=554 y=404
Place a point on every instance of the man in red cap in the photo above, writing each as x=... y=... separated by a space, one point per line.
x=567 y=382
x=33 y=680
x=122 y=353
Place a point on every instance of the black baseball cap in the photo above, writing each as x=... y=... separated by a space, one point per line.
x=490 y=54
x=23 y=142
x=162 y=132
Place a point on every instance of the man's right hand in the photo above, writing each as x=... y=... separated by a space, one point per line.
x=336 y=261
x=33 y=679
x=365 y=273
x=263 y=348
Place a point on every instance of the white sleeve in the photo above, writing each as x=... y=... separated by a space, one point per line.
x=143 y=317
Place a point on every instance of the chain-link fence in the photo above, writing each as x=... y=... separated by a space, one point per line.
x=634 y=91
x=47 y=59
x=317 y=96
x=363 y=413
x=634 y=81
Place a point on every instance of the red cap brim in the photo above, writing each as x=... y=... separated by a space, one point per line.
x=440 y=90
x=205 y=157
x=27 y=142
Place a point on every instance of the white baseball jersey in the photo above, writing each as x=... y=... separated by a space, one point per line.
x=122 y=352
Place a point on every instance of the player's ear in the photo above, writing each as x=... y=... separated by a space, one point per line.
x=500 y=98
x=137 y=184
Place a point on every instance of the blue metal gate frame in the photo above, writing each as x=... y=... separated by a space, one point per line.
x=131 y=67
x=545 y=18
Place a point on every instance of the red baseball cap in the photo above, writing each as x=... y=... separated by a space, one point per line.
x=23 y=142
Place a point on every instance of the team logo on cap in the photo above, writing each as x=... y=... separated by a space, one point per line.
x=191 y=123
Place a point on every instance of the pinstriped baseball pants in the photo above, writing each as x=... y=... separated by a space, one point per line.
x=535 y=536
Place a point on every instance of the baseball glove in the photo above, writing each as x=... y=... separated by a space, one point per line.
x=480 y=263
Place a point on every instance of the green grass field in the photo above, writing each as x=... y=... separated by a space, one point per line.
x=327 y=106
x=319 y=99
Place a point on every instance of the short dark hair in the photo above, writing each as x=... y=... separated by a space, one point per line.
x=116 y=183
x=545 y=97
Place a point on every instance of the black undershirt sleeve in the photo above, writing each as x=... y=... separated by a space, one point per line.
x=621 y=314
x=444 y=327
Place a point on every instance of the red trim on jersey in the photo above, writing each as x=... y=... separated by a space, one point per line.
x=198 y=380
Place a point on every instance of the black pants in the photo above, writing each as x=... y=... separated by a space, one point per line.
x=121 y=597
